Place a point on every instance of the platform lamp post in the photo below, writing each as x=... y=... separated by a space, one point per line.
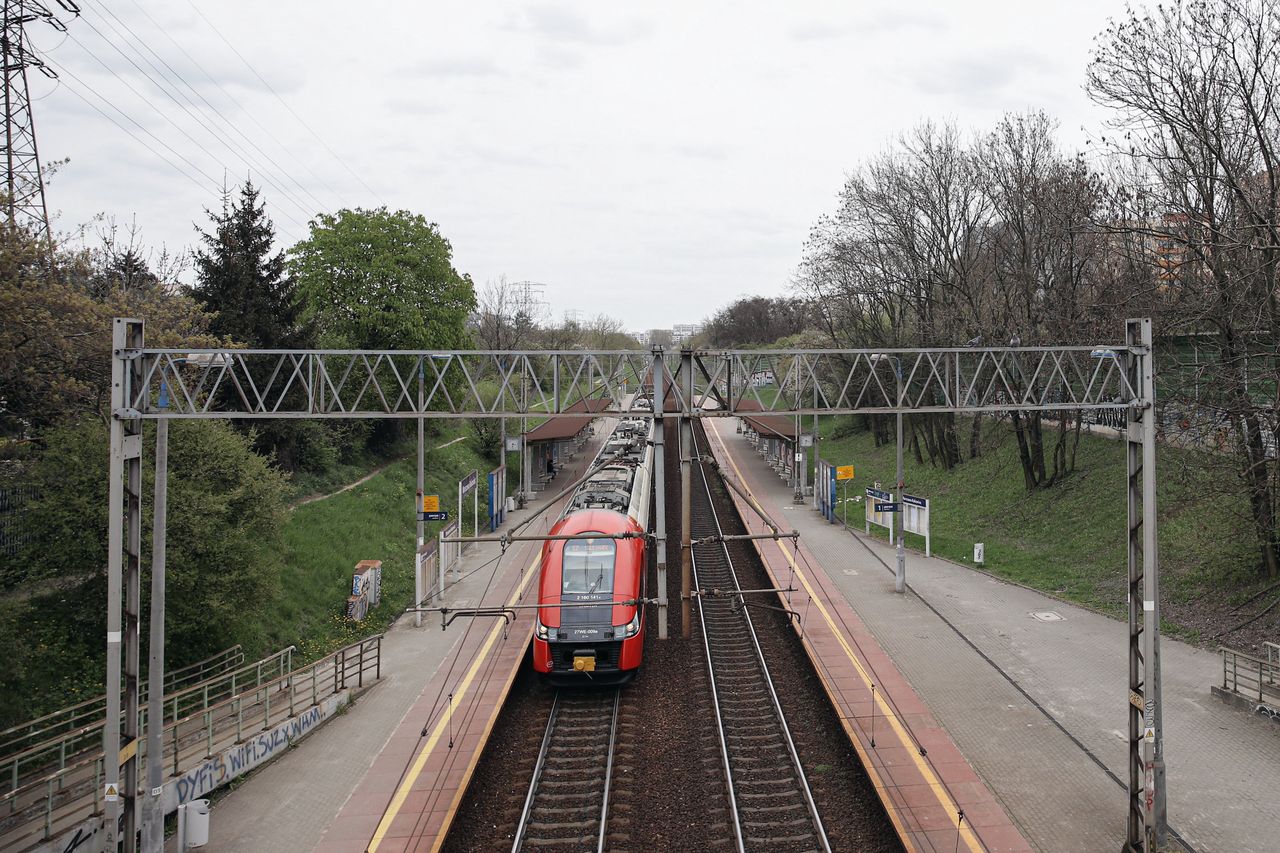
x=900 y=575
x=900 y=578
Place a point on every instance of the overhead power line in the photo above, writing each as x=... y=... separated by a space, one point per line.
x=226 y=122
x=207 y=76
x=164 y=114
x=285 y=103
x=213 y=183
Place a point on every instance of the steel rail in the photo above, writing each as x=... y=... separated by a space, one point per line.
x=554 y=719
x=784 y=729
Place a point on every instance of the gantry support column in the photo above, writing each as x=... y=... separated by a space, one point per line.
x=124 y=545
x=153 y=813
x=660 y=486
x=685 y=394
x=1148 y=817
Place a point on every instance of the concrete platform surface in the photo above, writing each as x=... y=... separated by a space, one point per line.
x=1039 y=707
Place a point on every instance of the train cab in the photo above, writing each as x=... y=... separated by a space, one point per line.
x=590 y=627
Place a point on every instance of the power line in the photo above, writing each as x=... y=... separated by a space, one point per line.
x=285 y=103
x=163 y=114
x=231 y=97
x=167 y=117
x=212 y=182
x=226 y=122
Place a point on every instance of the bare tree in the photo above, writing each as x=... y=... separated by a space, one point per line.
x=1194 y=89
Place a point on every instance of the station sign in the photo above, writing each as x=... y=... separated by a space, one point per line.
x=844 y=472
x=878 y=493
x=467 y=483
x=912 y=500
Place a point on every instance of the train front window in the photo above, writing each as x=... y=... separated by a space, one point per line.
x=588 y=566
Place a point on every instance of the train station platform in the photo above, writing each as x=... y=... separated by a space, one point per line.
x=383 y=775
x=1036 y=706
x=931 y=793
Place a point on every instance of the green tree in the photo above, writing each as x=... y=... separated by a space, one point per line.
x=374 y=279
x=239 y=279
x=226 y=504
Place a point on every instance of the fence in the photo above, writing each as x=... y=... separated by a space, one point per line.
x=61 y=730
x=208 y=718
x=1250 y=677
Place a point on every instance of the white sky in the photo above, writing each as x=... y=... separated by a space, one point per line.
x=651 y=161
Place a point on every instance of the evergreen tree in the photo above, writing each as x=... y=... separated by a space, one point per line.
x=237 y=276
x=255 y=302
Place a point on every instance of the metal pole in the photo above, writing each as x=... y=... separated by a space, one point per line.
x=900 y=579
x=1148 y=812
x=660 y=487
x=124 y=536
x=153 y=838
x=422 y=485
x=686 y=494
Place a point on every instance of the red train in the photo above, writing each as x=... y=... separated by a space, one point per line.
x=599 y=637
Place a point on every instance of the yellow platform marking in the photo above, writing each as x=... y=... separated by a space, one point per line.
x=415 y=771
x=926 y=771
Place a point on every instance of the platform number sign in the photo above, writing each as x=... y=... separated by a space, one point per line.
x=430 y=509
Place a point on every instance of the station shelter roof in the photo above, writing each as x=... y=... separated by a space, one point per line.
x=774 y=426
x=561 y=428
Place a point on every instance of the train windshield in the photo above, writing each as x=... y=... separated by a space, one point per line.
x=588 y=565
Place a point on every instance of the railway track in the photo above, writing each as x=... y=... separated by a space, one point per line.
x=567 y=807
x=771 y=805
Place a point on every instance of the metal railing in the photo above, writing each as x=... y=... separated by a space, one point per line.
x=54 y=747
x=44 y=807
x=24 y=735
x=1252 y=677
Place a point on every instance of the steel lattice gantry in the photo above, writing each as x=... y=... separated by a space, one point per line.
x=159 y=384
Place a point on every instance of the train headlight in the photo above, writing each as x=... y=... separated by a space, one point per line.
x=633 y=627
x=544 y=632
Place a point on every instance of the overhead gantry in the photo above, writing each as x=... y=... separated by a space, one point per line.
x=167 y=384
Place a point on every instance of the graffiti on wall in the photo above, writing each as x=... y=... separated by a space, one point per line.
x=222 y=768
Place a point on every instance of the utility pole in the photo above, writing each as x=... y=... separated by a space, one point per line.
x=24 y=186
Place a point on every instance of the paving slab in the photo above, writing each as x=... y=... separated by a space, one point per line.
x=1040 y=708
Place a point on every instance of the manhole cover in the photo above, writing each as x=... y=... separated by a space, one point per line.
x=1046 y=616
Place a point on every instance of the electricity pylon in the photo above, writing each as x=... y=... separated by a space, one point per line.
x=24 y=187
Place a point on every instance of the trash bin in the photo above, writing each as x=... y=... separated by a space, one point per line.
x=197 y=823
x=511 y=504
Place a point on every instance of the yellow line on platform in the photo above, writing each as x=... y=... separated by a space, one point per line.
x=926 y=771
x=415 y=771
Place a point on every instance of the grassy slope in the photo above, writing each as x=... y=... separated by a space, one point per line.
x=323 y=540
x=1068 y=540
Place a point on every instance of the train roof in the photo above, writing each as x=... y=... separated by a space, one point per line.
x=594 y=520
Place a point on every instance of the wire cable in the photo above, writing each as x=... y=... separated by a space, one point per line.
x=212 y=183
x=209 y=77
x=285 y=103
x=165 y=113
x=226 y=122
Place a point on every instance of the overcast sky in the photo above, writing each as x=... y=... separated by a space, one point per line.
x=651 y=161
